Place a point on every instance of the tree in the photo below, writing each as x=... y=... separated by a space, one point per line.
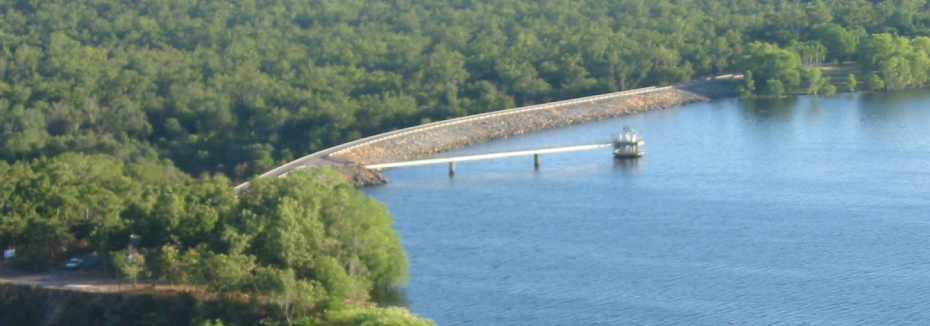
x=169 y=262
x=774 y=88
x=851 y=83
x=875 y=49
x=522 y=78
x=815 y=80
x=769 y=62
x=334 y=279
x=818 y=13
x=896 y=72
x=445 y=72
x=293 y=296
x=840 y=43
x=873 y=82
x=192 y=266
x=812 y=53
x=252 y=86
x=314 y=213
x=46 y=238
x=128 y=264
x=226 y=273
x=292 y=237
x=919 y=62
x=749 y=85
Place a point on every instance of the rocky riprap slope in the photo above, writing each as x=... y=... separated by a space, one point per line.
x=419 y=144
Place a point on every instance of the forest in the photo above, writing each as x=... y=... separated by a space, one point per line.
x=237 y=87
x=122 y=118
x=306 y=244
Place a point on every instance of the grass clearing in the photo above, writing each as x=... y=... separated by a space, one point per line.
x=836 y=74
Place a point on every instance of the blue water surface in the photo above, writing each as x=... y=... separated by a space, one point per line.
x=800 y=211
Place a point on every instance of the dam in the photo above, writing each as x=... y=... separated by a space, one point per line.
x=424 y=140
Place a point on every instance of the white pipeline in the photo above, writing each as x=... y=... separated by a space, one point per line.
x=487 y=156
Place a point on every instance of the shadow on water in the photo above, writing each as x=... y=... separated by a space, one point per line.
x=895 y=97
x=627 y=165
x=885 y=110
x=765 y=110
x=391 y=296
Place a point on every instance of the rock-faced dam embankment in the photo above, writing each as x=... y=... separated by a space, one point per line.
x=428 y=139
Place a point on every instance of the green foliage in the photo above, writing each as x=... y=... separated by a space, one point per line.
x=873 y=82
x=875 y=49
x=314 y=213
x=361 y=315
x=182 y=215
x=899 y=61
x=851 y=83
x=220 y=272
x=169 y=264
x=812 y=53
x=815 y=80
x=128 y=264
x=774 y=88
x=839 y=42
x=96 y=97
x=29 y=261
x=293 y=296
x=749 y=85
x=306 y=242
x=768 y=63
x=54 y=204
x=237 y=88
x=334 y=279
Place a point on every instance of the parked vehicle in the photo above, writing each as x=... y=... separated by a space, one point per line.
x=74 y=263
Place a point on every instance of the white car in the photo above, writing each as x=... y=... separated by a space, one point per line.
x=74 y=263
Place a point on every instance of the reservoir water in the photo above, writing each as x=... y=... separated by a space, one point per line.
x=801 y=211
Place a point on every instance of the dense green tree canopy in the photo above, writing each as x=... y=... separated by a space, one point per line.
x=310 y=214
x=308 y=241
x=768 y=63
x=107 y=108
x=235 y=87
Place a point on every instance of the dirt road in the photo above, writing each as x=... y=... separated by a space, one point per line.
x=78 y=280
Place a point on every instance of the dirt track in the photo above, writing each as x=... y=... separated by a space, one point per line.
x=79 y=280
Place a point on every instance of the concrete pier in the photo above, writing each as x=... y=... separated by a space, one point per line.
x=452 y=160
